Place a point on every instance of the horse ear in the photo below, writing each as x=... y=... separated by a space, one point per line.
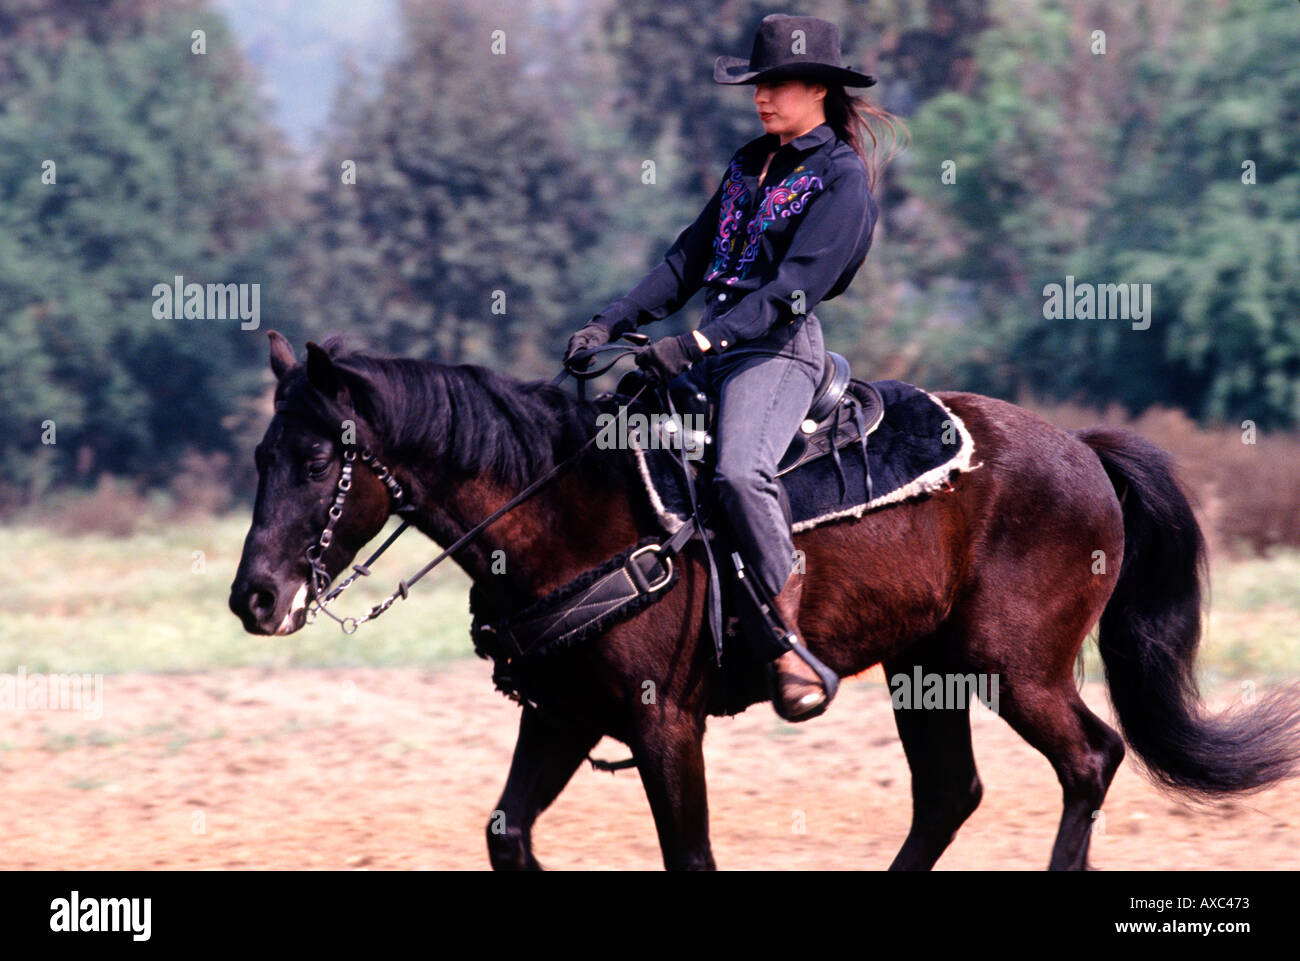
x=281 y=354
x=322 y=374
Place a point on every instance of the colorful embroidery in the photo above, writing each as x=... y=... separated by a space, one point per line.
x=788 y=197
x=734 y=196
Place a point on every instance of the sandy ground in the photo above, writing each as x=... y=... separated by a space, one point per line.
x=400 y=768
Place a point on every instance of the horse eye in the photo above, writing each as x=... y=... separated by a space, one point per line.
x=317 y=468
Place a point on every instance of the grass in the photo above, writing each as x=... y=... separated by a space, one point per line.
x=1252 y=630
x=156 y=601
x=147 y=602
x=1254 y=623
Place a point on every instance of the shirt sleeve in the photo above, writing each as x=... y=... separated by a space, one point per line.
x=825 y=243
x=666 y=288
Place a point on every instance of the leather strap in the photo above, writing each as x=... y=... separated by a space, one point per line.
x=590 y=603
x=713 y=587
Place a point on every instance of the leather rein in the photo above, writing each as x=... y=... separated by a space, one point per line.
x=320 y=576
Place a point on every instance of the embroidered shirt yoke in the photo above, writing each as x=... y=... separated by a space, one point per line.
x=765 y=254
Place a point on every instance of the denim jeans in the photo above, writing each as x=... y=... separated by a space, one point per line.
x=764 y=388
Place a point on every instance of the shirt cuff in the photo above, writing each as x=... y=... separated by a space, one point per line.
x=720 y=333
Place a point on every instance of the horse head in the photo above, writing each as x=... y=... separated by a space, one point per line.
x=302 y=533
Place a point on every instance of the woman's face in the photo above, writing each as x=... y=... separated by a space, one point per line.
x=789 y=108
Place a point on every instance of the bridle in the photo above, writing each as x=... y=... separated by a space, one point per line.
x=320 y=578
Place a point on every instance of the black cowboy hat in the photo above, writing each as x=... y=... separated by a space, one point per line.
x=774 y=57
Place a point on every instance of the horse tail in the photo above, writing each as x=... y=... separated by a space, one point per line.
x=1149 y=633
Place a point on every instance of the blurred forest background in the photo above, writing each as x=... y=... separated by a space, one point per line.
x=128 y=158
x=521 y=172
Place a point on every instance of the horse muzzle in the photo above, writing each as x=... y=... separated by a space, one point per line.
x=266 y=609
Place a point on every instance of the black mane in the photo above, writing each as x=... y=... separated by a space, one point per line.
x=472 y=418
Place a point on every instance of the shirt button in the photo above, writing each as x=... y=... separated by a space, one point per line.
x=722 y=296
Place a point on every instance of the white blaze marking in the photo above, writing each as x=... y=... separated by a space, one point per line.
x=298 y=603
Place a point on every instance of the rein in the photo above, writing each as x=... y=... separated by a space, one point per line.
x=320 y=576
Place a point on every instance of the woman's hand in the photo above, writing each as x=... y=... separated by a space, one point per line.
x=670 y=356
x=593 y=335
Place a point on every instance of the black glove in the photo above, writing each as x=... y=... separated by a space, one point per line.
x=593 y=335
x=670 y=356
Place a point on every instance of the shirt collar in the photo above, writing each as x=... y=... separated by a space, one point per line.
x=815 y=137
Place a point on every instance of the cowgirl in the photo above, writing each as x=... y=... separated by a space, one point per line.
x=787 y=228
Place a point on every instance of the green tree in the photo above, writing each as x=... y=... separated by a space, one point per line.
x=457 y=238
x=124 y=163
x=1125 y=167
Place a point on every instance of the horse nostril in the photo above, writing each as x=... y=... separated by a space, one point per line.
x=261 y=603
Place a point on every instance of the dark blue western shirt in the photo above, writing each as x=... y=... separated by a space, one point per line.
x=765 y=254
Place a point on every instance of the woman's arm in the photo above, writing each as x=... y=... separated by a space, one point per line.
x=826 y=241
x=669 y=285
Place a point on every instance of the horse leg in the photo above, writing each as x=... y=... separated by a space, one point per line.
x=669 y=751
x=546 y=755
x=1083 y=750
x=1031 y=653
x=946 y=788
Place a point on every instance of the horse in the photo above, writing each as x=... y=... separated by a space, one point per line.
x=1004 y=575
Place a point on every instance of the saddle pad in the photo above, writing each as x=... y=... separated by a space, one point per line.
x=918 y=445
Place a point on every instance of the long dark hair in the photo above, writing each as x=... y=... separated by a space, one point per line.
x=850 y=116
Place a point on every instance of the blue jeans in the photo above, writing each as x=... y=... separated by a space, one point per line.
x=764 y=388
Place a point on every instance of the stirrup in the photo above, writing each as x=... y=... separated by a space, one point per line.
x=830 y=683
x=765 y=608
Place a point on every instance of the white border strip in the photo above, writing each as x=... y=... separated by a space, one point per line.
x=671 y=522
x=931 y=480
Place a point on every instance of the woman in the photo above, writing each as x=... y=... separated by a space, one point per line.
x=788 y=228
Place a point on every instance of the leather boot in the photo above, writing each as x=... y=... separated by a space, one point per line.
x=798 y=694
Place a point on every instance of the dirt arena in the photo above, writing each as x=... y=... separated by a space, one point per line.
x=400 y=768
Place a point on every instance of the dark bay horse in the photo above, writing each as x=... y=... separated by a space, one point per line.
x=1003 y=576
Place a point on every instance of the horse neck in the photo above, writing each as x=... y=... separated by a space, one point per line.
x=573 y=522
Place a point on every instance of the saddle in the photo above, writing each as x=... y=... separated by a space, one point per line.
x=836 y=417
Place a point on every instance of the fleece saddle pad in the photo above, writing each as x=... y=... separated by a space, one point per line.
x=916 y=447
